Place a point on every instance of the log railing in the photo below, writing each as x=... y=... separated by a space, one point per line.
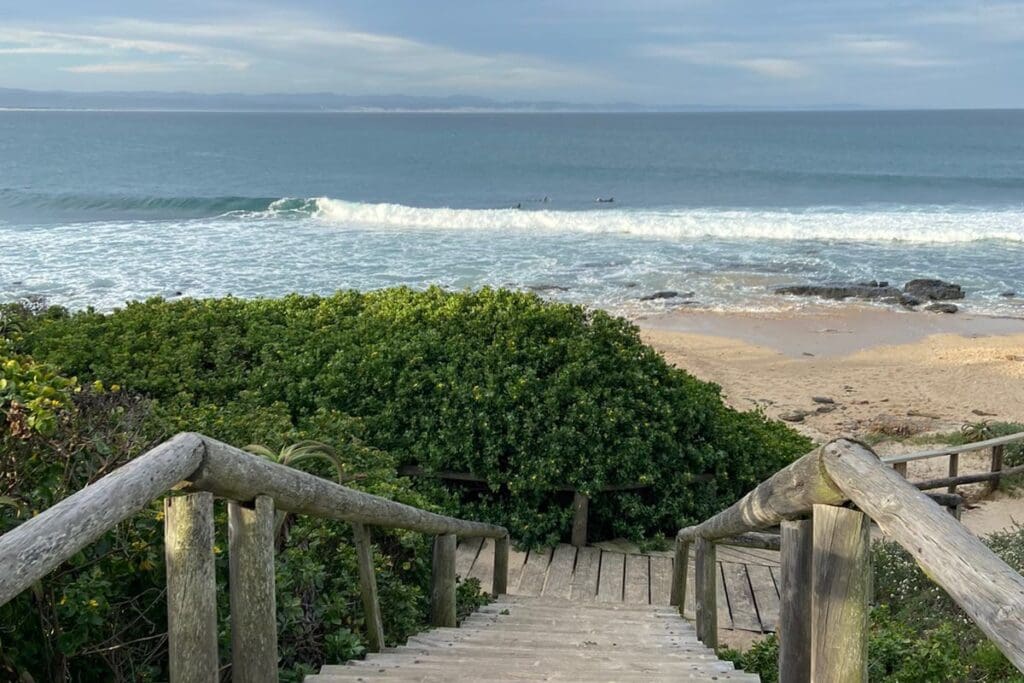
x=950 y=483
x=825 y=586
x=200 y=468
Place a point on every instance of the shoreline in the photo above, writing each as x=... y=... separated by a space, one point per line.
x=884 y=371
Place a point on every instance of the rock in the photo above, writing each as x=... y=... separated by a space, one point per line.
x=547 y=287
x=808 y=354
x=941 y=308
x=864 y=290
x=665 y=294
x=793 y=416
x=908 y=301
x=933 y=290
x=822 y=399
x=982 y=413
x=1009 y=294
x=821 y=410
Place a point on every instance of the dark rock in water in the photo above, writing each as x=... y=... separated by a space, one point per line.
x=665 y=294
x=933 y=290
x=908 y=301
x=866 y=290
x=874 y=283
x=942 y=308
x=1009 y=294
x=547 y=288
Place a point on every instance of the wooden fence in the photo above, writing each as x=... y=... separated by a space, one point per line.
x=825 y=586
x=200 y=469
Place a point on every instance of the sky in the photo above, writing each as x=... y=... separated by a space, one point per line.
x=783 y=53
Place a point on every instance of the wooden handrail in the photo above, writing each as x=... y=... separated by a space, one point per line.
x=954 y=450
x=842 y=472
x=201 y=468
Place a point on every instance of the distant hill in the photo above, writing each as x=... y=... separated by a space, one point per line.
x=187 y=101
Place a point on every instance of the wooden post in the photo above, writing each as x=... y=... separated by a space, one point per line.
x=580 y=511
x=795 y=602
x=901 y=468
x=679 y=571
x=841 y=592
x=251 y=587
x=368 y=587
x=442 y=583
x=954 y=470
x=997 y=466
x=501 y=551
x=706 y=587
x=191 y=588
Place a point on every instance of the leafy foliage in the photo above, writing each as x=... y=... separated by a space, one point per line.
x=531 y=396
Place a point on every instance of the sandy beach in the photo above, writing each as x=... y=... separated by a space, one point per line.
x=915 y=371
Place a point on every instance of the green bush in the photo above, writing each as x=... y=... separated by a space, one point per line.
x=532 y=396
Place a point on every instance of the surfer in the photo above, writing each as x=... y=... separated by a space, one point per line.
x=605 y=200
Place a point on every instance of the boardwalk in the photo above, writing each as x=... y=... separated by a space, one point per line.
x=748 y=596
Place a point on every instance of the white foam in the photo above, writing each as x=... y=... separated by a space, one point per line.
x=922 y=225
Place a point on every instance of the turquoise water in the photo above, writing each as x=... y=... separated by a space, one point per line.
x=100 y=207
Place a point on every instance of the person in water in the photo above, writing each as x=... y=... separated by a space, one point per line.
x=603 y=200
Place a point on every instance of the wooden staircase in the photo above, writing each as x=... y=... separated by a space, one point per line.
x=545 y=639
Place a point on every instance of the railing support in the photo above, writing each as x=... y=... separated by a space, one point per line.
x=901 y=469
x=706 y=587
x=442 y=582
x=954 y=471
x=841 y=593
x=680 y=568
x=368 y=587
x=191 y=588
x=795 y=602
x=251 y=586
x=580 y=513
x=499 y=586
x=997 y=466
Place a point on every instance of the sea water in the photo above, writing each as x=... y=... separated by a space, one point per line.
x=97 y=208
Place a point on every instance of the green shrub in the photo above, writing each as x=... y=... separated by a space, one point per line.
x=532 y=396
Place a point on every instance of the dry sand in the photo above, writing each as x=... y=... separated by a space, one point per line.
x=918 y=372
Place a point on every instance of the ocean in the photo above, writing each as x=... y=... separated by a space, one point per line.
x=97 y=208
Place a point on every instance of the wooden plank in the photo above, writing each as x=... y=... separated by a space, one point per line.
x=535 y=571
x=954 y=471
x=367 y=591
x=900 y=468
x=251 y=592
x=705 y=586
x=637 y=583
x=442 y=582
x=580 y=514
x=516 y=564
x=766 y=597
x=997 y=465
x=661 y=580
x=585 y=575
x=465 y=555
x=722 y=600
x=794 y=583
x=680 y=561
x=609 y=586
x=483 y=566
x=690 y=609
x=841 y=594
x=559 y=581
x=976 y=446
x=191 y=588
x=740 y=596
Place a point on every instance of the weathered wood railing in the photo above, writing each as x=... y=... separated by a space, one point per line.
x=825 y=586
x=201 y=468
x=951 y=482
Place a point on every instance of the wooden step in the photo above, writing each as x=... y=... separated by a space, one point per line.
x=543 y=639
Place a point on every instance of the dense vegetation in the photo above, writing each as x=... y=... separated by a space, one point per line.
x=532 y=396
x=918 y=634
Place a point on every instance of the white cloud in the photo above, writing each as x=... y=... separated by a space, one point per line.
x=295 y=49
x=884 y=50
x=731 y=55
x=1002 y=21
x=123 y=68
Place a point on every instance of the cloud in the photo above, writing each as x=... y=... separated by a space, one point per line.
x=884 y=50
x=123 y=68
x=1001 y=21
x=296 y=49
x=730 y=55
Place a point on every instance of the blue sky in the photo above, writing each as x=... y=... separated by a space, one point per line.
x=782 y=53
